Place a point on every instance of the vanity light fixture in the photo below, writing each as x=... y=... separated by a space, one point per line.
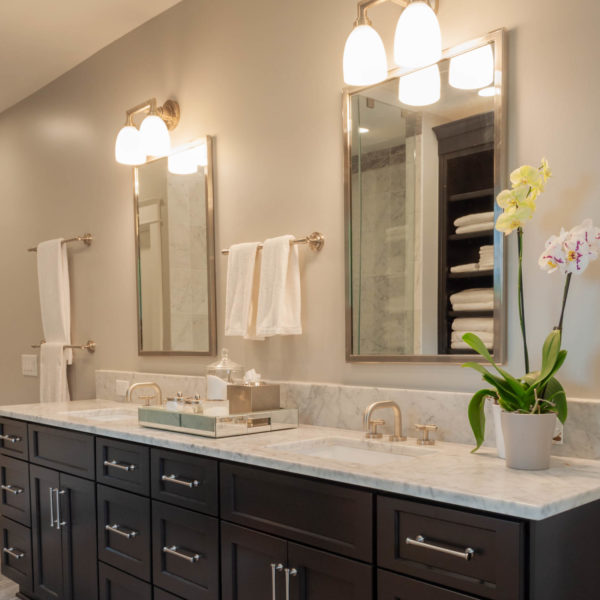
x=363 y=130
x=420 y=88
x=473 y=69
x=488 y=92
x=186 y=160
x=152 y=139
x=417 y=43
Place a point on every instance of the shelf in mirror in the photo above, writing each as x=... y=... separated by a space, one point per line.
x=472 y=274
x=483 y=193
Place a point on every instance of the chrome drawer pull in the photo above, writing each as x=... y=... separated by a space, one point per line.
x=288 y=573
x=421 y=543
x=119 y=465
x=13 y=439
x=176 y=551
x=57 y=494
x=13 y=489
x=122 y=531
x=51 y=491
x=275 y=568
x=14 y=552
x=180 y=481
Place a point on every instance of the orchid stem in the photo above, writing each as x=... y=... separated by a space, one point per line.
x=564 y=302
x=521 y=300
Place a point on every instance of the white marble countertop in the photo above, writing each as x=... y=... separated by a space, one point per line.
x=446 y=472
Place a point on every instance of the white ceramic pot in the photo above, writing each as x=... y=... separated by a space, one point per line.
x=528 y=440
x=496 y=413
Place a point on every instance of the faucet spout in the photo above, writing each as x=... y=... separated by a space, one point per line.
x=397 y=436
x=150 y=384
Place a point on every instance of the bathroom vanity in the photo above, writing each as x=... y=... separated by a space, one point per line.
x=100 y=508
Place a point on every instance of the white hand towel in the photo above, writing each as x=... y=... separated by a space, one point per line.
x=468 y=268
x=463 y=306
x=464 y=324
x=473 y=295
x=241 y=297
x=279 y=290
x=475 y=228
x=53 y=373
x=464 y=346
x=484 y=217
x=55 y=304
x=484 y=336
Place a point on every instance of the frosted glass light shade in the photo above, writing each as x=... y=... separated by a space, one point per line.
x=155 y=136
x=128 y=147
x=365 y=62
x=421 y=87
x=418 y=38
x=183 y=163
x=473 y=69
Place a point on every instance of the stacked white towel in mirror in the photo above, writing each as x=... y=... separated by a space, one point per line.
x=482 y=327
x=475 y=222
x=473 y=299
x=486 y=257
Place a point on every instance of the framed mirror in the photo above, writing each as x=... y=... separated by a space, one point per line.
x=175 y=252
x=424 y=160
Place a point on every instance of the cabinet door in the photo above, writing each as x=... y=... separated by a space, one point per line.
x=185 y=549
x=323 y=576
x=246 y=559
x=46 y=537
x=77 y=506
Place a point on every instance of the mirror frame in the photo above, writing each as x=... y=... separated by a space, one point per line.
x=210 y=258
x=498 y=37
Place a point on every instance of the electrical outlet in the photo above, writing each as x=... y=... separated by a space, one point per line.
x=29 y=365
x=121 y=387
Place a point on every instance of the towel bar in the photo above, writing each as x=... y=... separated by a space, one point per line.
x=315 y=242
x=90 y=346
x=86 y=238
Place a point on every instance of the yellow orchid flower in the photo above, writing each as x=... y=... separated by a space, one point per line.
x=526 y=175
x=545 y=169
x=522 y=194
x=513 y=218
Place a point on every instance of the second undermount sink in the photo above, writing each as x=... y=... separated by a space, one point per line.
x=363 y=452
x=103 y=414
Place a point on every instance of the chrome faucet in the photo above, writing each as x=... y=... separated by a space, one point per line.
x=371 y=425
x=150 y=384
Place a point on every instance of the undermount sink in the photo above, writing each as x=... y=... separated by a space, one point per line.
x=103 y=414
x=363 y=452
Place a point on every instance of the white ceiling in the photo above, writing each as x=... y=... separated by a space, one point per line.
x=41 y=39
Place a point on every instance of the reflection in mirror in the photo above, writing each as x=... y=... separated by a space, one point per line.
x=175 y=252
x=424 y=263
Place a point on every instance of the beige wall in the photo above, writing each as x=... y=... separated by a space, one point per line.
x=264 y=77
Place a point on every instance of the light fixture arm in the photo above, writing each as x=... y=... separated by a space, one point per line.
x=169 y=112
x=363 y=5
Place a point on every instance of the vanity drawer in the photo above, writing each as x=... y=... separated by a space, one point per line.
x=14 y=490
x=123 y=465
x=186 y=480
x=329 y=516
x=492 y=571
x=116 y=585
x=391 y=586
x=185 y=552
x=13 y=438
x=124 y=531
x=67 y=451
x=16 y=552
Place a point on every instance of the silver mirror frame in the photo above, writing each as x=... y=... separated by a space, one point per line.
x=210 y=257
x=498 y=37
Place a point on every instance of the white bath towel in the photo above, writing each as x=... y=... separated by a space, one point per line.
x=483 y=217
x=473 y=295
x=468 y=268
x=55 y=305
x=464 y=306
x=241 y=297
x=475 y=228
x=486 y=337
x=464 y=346
x=279 y=290
x=465 y=324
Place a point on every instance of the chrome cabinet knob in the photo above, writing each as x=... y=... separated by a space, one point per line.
x=425 y=430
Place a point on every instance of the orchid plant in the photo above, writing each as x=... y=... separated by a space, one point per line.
x=569 y=253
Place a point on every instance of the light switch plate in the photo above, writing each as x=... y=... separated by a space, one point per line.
x=29 y=365
x=121 y=387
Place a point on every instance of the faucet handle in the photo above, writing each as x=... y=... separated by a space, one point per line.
x=424 y=430
x=372 y=432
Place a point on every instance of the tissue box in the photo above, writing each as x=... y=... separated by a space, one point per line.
x=252 y=398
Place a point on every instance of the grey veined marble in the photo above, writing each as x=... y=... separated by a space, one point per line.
x=446 y=473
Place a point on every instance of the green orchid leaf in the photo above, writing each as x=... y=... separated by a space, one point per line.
x=555 y=393
x=541 y=381
x=479 y=347
x=530 y=378
x=477 y=415
x=498 y=383
x=550 y=353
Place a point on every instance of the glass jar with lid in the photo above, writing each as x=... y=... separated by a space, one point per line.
x=225 y=368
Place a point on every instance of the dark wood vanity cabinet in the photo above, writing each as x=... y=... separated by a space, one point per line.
x=92 y=518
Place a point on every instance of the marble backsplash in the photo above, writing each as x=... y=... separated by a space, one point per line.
x=332 y=405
